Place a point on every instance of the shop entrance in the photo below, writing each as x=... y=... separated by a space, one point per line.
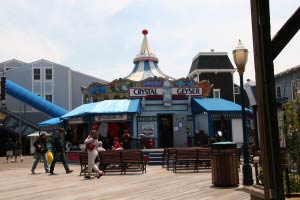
x=222 y=130
x=165 y=123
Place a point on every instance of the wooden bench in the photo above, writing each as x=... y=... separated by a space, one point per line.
x=204 y=157
x=185 y=159
x=122 y=161
x=83 y=159
x=110 y=160
x=133 y=160
x=169 y=157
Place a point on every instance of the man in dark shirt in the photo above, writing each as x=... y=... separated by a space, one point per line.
x=58 y=148
x=40 y=150
x=9 y=148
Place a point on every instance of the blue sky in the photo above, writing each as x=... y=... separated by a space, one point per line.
x=102 y=37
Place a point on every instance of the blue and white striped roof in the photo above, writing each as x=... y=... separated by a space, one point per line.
x=145 y=63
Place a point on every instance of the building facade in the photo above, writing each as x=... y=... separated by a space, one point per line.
x=217 y=68
x=170 y=115
x=287 y=84
x=54 y=82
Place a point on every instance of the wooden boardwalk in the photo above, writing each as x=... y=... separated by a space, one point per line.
x=18 y=183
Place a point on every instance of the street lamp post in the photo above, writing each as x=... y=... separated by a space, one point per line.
x=240 y=56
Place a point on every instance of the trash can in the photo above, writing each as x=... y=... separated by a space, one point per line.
x=224 y=164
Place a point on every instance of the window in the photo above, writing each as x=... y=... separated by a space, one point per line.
x=293 y=89
x=216 y=93
x=278 y=91
x=8 y=68
x=195 y=78
x=236 y=90
x=48 y=74
x=48 y=97
x=36 y=74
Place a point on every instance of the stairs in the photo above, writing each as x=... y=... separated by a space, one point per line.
x=15 y=123
x=155 y=156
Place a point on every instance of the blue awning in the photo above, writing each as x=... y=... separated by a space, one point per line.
x=50 y=122
x=115 y=106
x=214 y=105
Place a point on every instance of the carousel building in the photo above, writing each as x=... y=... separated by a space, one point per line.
x=150 y=105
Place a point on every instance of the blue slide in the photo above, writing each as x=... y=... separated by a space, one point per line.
x=33 y=100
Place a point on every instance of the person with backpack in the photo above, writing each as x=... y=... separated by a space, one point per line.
x=59 y=152
x=40 y=150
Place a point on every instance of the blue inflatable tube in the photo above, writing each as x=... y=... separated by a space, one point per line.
x=33 y=100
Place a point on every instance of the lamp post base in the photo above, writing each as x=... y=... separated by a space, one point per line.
x=247 y=175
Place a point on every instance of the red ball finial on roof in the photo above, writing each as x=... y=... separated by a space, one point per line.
x=145 y=32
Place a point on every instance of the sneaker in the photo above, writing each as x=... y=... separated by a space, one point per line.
x=47 y=171
x=52 y=173
x=32 y=172
x=69 y=171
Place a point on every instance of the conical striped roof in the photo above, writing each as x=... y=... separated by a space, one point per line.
x=145 y=63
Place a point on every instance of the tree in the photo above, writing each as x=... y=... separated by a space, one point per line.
x=291 y=113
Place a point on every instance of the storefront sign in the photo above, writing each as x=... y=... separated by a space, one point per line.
x=141 y=92
x=50 y=128
x=77 y=121
x=147 y=119
x=188 y=91
x=226 y=116
x=122 y=117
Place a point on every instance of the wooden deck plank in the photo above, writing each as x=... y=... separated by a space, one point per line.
x=158 y=183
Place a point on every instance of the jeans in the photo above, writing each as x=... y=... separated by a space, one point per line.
x=37 y=160
x=62 y=159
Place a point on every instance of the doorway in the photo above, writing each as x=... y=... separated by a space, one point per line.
x=165 y=130
x=222 y=130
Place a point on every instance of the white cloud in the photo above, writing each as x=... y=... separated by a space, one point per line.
x=29 y=46
x=106 y=35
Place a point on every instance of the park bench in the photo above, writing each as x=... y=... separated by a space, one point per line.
x=169 y=155
x=122 y=161
x=133 y=160
x=83 y=159
x=204 y=157
x=185 y=159
x=110 y=160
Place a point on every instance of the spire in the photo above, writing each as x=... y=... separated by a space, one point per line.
x=145 y=63
x=145 y=52
x=145 y=48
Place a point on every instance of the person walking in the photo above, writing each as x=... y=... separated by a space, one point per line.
x=40 y=149
x=9 y=149
x=92 y=144
x=18 y=150
x=59 y=152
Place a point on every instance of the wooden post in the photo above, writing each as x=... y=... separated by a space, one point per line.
x=266 y=100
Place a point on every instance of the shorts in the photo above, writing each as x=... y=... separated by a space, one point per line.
x=18 y=152
x=9 y=153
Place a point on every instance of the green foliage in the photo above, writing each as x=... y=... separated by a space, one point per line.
x=291 y=113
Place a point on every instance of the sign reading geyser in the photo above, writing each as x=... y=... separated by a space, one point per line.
x=189 y=91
